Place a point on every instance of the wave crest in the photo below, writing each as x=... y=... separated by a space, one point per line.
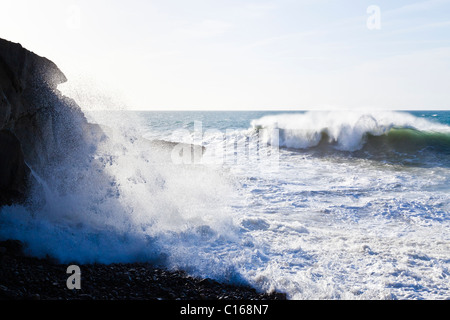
x=354 y=131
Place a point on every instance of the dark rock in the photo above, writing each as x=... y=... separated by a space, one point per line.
x=7 y=294
x=31 y=278
x=39 y=127
x=34 y=296
x=14 y=173
x=12 y=247
x=207 y=282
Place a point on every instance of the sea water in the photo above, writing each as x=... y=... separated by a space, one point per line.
x=320 y=205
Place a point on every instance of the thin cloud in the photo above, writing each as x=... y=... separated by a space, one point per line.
x=436 y=25
x=206 y=29
x=417 y=7
x=258 y=10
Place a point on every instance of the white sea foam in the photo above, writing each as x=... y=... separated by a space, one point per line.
x=347 y=129
x=316 y=228
x=122 y=207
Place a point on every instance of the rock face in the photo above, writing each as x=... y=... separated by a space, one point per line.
x=14 y=173
x=37 y=122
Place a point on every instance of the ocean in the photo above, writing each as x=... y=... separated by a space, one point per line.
x=317 y=204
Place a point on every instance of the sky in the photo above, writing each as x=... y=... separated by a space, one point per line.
x=241 y=55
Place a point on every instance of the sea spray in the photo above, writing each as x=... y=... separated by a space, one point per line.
x=328 y=224
x=127 y=203
x=346 y=131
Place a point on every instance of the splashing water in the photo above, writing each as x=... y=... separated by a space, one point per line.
x=340 y=218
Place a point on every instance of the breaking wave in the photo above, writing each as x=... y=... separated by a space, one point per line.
x=127 y=203
x=375 y=135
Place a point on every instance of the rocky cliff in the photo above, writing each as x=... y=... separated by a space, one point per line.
x=39 y=127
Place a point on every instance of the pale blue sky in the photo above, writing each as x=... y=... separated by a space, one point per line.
x=217 y=54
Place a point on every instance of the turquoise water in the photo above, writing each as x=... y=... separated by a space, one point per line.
x=352 y=218
x=320 y=205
